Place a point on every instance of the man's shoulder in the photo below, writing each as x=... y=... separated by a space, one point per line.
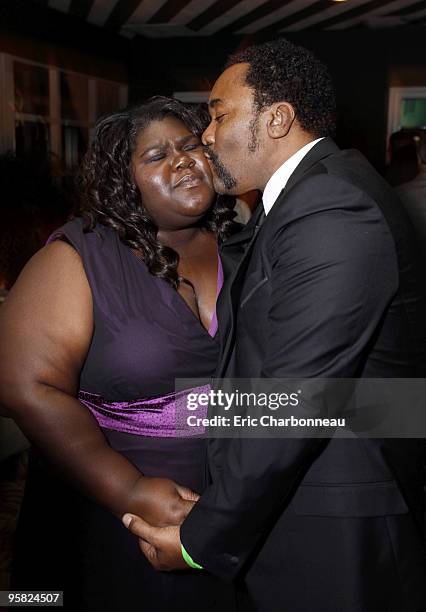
x=328 y=184
x=351 y=165
x=343 y=186
x=355 y=170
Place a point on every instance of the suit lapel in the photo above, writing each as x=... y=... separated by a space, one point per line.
x=235 y=253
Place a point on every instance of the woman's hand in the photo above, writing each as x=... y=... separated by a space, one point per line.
x=161 y=502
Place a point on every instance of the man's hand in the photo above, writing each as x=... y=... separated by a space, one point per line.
x=161 y=501
x=160 y=545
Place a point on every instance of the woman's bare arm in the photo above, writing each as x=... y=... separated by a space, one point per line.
x=46 y=326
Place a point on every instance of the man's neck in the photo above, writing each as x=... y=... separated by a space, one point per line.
x=282 y=175
x=279 y=155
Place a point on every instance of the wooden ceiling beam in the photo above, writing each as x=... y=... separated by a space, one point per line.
x=308 y=11
x=168 y=11
x=254 y=15
x=121 y=13
x=356 y=11
x=213 y=12
x=412 y=8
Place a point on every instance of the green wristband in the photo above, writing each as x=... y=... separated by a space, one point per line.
x=188 y=559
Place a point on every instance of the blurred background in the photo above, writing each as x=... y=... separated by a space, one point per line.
x=64 y=63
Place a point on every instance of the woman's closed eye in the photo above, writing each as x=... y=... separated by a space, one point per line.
x=155 y=157
x=192 y=147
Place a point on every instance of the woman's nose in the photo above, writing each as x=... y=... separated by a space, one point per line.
x=184 y=161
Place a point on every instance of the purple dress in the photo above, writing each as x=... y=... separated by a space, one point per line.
x=145 y=336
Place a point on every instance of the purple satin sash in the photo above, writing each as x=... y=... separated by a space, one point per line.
x=161 y=417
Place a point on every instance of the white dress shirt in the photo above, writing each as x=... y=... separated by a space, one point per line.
x=280 y=178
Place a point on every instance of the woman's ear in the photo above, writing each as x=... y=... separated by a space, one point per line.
x=281 y=117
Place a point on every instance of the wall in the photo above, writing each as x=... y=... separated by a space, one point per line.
x=50 y=37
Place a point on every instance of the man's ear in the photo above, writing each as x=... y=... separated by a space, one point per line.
x=280 y=120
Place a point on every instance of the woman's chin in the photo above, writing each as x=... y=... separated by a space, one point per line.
x=194 y=207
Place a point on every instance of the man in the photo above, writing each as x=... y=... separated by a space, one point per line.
x=324 y=286
x=413 y=196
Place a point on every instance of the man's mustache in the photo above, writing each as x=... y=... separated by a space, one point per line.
x=218 y=168
x=209 y=153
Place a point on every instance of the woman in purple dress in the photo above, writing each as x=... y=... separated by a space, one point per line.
x=99 y=325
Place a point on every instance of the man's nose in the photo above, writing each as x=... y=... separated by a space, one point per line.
x=208 y=135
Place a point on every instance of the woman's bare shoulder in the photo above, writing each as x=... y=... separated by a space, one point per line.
x=57 y=262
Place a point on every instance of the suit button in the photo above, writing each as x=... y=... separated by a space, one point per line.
x=233 y=560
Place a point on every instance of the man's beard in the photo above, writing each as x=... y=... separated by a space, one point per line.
x=229 y=181
x=253 y=142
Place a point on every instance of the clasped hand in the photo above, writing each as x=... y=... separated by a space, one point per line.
x=161 y=502
x=164 y=506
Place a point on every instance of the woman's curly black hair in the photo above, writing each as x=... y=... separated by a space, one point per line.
x=282 y=71
x=109 y=195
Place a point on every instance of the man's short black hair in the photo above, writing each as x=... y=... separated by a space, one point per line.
x=280 y=71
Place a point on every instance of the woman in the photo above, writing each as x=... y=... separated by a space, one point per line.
x=95 y=331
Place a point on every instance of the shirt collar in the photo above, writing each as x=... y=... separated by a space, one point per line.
x=280 y=178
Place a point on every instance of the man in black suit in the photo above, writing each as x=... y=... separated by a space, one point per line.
x=321 y=283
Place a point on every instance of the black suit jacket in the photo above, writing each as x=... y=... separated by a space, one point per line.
x=325 y=286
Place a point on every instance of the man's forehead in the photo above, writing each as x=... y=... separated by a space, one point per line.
x=229 y=85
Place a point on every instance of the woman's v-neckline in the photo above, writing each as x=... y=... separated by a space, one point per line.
x=213 y=327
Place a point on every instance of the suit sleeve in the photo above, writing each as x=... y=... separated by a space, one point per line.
x=333 y=273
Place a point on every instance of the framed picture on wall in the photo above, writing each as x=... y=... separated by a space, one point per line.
x=407 y=109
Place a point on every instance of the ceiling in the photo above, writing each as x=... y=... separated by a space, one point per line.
x=164 y=18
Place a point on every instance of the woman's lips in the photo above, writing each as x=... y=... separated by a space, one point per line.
x=188 y=181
